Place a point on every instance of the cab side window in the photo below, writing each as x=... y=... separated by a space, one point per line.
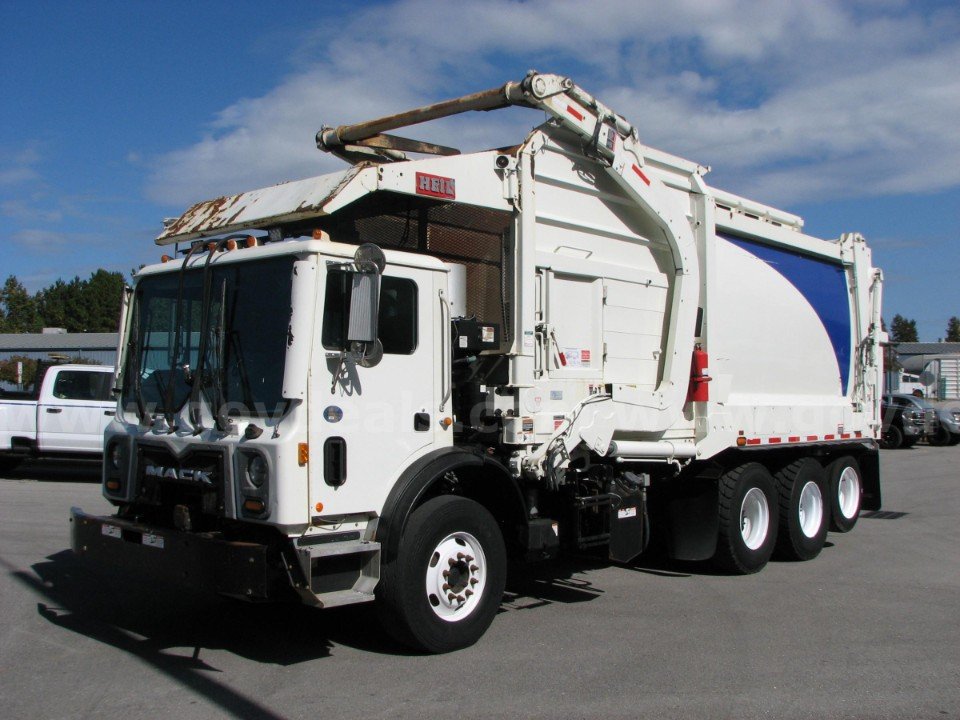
x=82 y=385
x=397 y=316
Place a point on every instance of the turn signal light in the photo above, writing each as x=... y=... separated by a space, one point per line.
x=253 y=505
x=303 y=454
x=165 y=258
x=113 y=485
x=231 y=244
x=741 y=441
x=319 y=507
x=251 y=241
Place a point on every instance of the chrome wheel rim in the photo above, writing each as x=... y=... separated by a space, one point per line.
x=848 y=493
x=754 y=518
x=456 y=577
x=810 y=509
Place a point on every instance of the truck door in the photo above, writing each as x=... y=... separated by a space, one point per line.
x=74 y=407
x=369 y=424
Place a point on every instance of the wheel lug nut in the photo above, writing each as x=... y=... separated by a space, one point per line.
x=445 y=573
x=468 y=593
x=473 y=581
x=460 y=556
x=461 y=599
x=451 y=597
x=451 y=562
x=473 y=568
x=469 y=558
x=445 y=586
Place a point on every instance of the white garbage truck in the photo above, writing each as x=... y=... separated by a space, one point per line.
x=384 y=383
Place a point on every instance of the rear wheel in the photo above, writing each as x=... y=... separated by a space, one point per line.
x=845 y=491
x=801 y=488
x=444 y=588
x=748 y=519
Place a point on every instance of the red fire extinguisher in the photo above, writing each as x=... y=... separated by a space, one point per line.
x=698 y=391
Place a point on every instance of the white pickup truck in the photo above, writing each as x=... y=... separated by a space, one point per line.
x=64 y=415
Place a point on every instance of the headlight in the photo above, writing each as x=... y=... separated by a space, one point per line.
x=116 y=456
x=257 y=471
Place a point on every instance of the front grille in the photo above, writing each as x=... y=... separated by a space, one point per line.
x=196 y=479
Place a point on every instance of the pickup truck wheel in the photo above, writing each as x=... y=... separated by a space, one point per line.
x=892 y=438
x=940 y=438
x=445 y=586
x=845 y=490
x=9 y=463
x=802 y=491
x=748 y=519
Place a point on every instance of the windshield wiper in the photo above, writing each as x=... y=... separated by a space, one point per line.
x=168 y=413
x=219 y=399
x=193 y=407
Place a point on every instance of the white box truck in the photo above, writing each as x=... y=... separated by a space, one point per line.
x=380 y=384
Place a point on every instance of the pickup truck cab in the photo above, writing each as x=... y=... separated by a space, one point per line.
x=65 y=414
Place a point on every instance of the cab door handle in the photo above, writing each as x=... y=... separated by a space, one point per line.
x=109 y=413
x=54 y=411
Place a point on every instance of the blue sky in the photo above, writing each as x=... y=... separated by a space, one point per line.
x=117 y=114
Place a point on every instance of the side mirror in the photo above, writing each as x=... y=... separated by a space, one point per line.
x=365 y=305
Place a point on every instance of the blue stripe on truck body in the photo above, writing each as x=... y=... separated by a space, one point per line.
x=822 y=283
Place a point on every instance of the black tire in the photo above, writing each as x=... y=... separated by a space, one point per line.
x=907 y=444
x=803 y=510
x=955 y=439
x=940 y=438
x=9 y=463
x=431 y=542
x=892 y=438
x=735 y=552
x=845 y=488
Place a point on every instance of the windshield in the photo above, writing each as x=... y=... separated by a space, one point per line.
x=246 y=327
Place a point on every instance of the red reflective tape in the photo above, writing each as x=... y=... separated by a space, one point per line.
x=828 y=437
x=774 y=440
x=638 y=171
x=845 y=436
x=811 y=438
x=793 y=438
x=576 y=113
x=753 y=441
x=858 y=434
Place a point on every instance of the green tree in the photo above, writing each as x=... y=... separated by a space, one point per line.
x=903 y=330
x=953 y=329
x=8 y=370
x=19 y=308
x=59 y=305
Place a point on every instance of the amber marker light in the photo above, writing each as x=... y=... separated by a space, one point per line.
x=446 y=422
x=165 y=258
x=253 y=505
x=318 y=507
x=211 y=246
x=303 y=454
x=231 y=244
x=251 y=241
x=113 y=485
x=741 y=441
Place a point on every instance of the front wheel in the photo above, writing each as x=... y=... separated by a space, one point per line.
x=748 y=519
x=892 y=438
x=9 y=463
x=940 y=438
x=444 y=588
x=801 y=487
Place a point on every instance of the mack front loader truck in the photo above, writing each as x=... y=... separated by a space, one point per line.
x=385 y=383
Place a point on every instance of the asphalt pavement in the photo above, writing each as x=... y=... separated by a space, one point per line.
x=870 y=629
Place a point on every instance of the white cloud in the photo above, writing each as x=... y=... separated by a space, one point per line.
x=789 y=102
